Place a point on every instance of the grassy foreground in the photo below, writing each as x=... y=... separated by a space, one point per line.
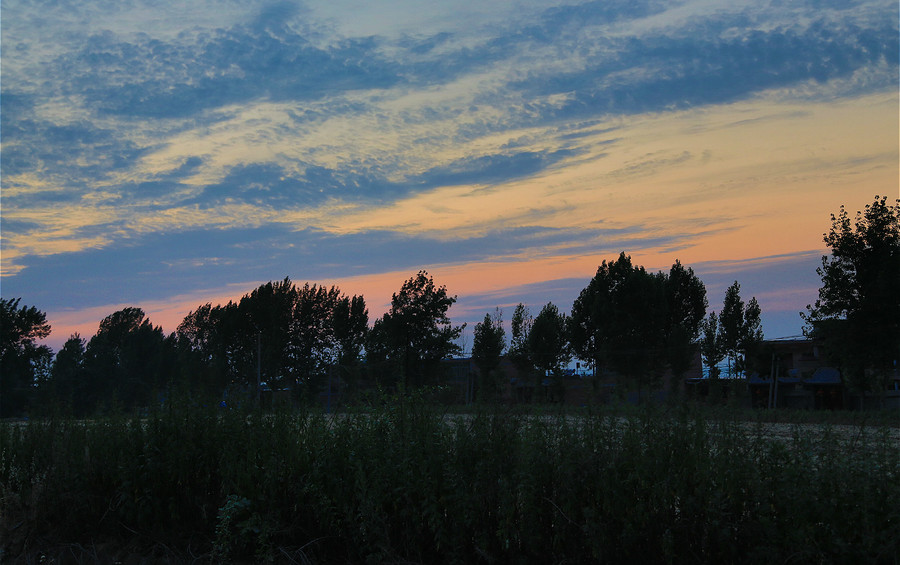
x=407 y=483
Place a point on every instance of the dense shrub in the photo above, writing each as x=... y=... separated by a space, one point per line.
x=405 y=482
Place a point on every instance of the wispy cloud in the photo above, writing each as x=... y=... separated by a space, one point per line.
x=148 y=146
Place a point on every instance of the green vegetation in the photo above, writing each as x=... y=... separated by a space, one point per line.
x=406 y=482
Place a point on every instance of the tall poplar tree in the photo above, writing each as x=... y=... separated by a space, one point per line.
x=731 y=325
x=520 y=327
x=711 y=349
x=740 y=330
x=487 y=351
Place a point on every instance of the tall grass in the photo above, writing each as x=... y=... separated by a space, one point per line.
x=407 y=483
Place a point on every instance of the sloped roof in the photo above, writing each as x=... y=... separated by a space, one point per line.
x=825 y=376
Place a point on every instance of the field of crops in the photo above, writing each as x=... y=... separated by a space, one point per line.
x=407 y=482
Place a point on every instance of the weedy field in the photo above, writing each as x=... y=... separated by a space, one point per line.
x=408 y=482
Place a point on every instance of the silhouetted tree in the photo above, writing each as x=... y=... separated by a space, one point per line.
x=351 y=324
x=519 y=351
x=858 y=309
x=416 y=334
x=731 y=324
x=292 y=336
x=312 y=340
x=711 y=349
x=753 y=337
x=128 y=360
x=22 y=361
x=637 y=323
x=328 y=330
x=268 y=317
x=549 y=350
x=227 y=342
x=69 y=378
x=686 y=298
x=206 y=349
x=740 y=329
x=487 y=351
x=548 y=341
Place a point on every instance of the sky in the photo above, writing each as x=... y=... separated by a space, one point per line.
x=165 y=154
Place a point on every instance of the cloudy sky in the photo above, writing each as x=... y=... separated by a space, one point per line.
x=165 y=154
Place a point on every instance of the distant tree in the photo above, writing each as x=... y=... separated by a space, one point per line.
x=69 y=378
x=686 y=299
x=128 y=360
x=291 y=335
x=351 y=324
x=858 y=309
x=218 y=347
x=416 y=334
x=641 y=350
x=711 y=349
x=206 y=351
x=487 y=351
x=381 y=358
x=588 y=331
x=549 y=350
x=637 y=323
x=731 y=324
x=22 y=361
x=603 y=326
x=267 y=315
x=548 y=341
x=519 y=350
x=312 y=341
x=740 y=329
x=753 y=338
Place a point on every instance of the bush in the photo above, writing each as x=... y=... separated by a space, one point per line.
x=405 y=482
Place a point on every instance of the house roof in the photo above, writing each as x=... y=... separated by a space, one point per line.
x=825 y=376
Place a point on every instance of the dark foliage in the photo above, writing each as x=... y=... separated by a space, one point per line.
x=488 y=344
x=23 y=363
x=412 y=485
x=858 y=309
x=636 y=323
x=407 y=344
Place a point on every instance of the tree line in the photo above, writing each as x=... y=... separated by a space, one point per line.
x=297 y=337
x=626 y=322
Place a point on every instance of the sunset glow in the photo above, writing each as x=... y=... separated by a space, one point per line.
x=169 y=155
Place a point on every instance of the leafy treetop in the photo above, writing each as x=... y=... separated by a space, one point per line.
x=857 y=312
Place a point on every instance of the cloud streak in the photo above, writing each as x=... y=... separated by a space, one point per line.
x=150 y=147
